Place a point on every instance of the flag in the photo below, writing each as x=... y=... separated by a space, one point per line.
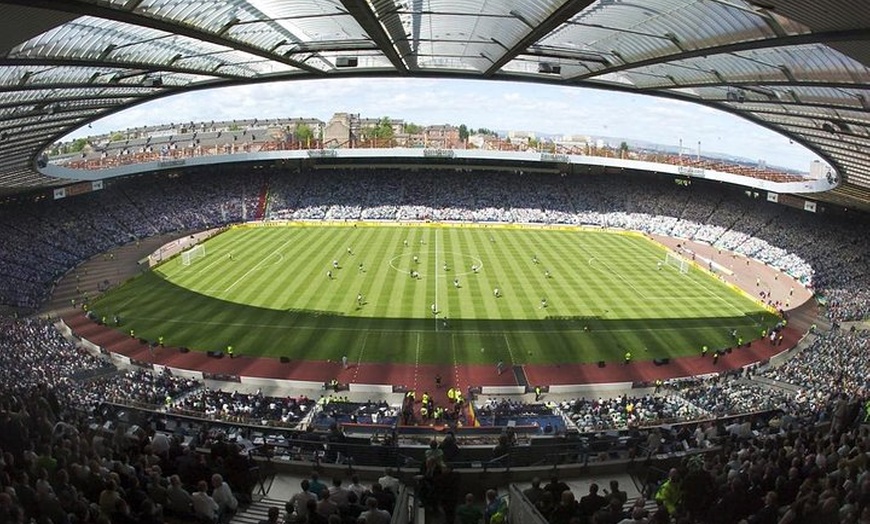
x=472 y=417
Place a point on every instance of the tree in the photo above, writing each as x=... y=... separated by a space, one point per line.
x=623 y=149
x=117 y=136
x=303 y=132
x=463 y=132
x=413 y=129
x=485 y=131
x=383 y=130
x=78 y=145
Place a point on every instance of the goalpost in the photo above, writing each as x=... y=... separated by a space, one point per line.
x=192 y=254
x=673 y=259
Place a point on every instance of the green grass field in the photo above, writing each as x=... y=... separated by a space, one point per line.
x=265 y=290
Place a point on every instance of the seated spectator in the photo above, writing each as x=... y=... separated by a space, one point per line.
x=325 y=506
x=469 y=512
x=178 y=500
x=273 y=517
x=338 y=493
x=223 y=496
x=534 y=493
x=616 y=493
x=204 y=507
x=373 y=514
x=592 y=502
x=389 y=482
x=298 y=503
x=567 y=510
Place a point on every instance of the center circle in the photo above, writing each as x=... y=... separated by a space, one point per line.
x=473 y=260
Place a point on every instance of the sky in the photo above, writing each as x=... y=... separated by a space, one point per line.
x=497 y=105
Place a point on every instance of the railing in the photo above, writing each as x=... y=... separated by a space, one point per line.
x=521 y=511
x=107 y=161
x=405 y=506
x=293 y=445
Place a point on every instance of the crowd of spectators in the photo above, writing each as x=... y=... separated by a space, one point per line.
x=44 y=239
x=340 y=503
x=835 y=359
x=138 y=386
x=343 y=411
x=624 y=411
x=34 y=353
x=63 y=465
x=731 y=394
x=106 y=472
x=249 y=408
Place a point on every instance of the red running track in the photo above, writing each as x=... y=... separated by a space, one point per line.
x=422 y=377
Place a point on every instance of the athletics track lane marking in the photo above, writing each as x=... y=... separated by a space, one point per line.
x=362 y=349
x=455 y=360
x=417 y=362
x=510 y=351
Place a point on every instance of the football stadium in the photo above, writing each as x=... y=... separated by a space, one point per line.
x=283 y=319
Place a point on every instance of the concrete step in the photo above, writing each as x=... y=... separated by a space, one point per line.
x=257 y=511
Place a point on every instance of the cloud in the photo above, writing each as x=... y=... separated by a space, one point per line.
x=491 y=104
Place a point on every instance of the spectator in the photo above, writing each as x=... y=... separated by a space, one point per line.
x=373 y=514
x=204 y=507
x=274 y=515
x=592 y=502
x=298 y=503
x=178 y=501
x=338 y=493
x=223 y=496
x=534 y=493
x=389 y=482
x=469 y=512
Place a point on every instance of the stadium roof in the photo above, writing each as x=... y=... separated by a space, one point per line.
x=799 y=67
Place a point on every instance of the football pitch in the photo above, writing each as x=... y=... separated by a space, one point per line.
x=367 y=291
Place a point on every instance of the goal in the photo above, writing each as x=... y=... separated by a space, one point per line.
x=673 y=259
x=192 y=254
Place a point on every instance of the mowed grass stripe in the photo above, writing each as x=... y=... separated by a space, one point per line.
x=258 y=319
x=227 y=275
x=524 y=296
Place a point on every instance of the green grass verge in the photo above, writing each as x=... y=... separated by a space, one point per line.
x=265 y=290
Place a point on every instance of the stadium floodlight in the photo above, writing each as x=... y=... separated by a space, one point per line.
x=191 y=255
x=673 y=259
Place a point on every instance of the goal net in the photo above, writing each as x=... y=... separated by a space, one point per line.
x=673 y=259
x=192 y=254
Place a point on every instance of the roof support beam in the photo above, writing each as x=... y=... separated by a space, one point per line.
x=559 y=17
x=62 y=99
x=145 y=67
x=372 y=26
x=815 y=116
x=100 y=11
x=736 y=47
x=760 y=84
x=784 y=102
x=68 y=85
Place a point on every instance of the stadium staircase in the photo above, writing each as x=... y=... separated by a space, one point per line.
x=520 y=376
x=262 y=201
x=257 y=511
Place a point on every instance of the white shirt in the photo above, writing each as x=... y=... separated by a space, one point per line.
x=224 y=497
x=389 y=483
x=204 y=506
